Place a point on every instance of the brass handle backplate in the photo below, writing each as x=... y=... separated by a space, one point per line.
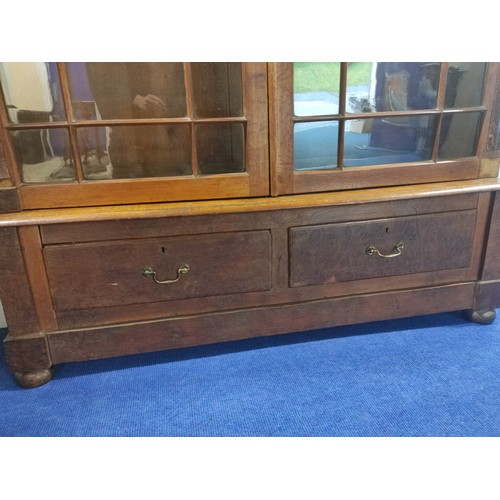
x=398 y=249
x=147 y=272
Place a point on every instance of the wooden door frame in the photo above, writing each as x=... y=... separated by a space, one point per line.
x=253 y=182
x=284 y=180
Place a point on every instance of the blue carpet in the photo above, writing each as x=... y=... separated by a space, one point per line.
x=433 y=375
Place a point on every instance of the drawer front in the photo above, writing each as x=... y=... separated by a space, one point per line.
x=339 y=252
x=91 y=275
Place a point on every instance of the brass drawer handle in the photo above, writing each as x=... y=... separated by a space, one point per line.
x=398 y=249
x=147 y=272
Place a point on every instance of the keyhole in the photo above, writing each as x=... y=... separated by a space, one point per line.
x=163 y=249
x=386 y=229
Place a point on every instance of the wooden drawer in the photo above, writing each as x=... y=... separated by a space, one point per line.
x=89 y=275
x=332 y=253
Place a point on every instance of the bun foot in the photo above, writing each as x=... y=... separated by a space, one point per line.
x=481 y=317
x=36 y=378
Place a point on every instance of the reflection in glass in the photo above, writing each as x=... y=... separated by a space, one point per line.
x=132 y=151
x=315 y=145
x=494 y=128
x=377 y=141
x=459 y=135
x=123 y=90
x=32 y=92
x=4 y=173
x=217 y=89
x=316 y=88
x=220 y=148
x=391 y=86
x=464 y=86
x=44 y=155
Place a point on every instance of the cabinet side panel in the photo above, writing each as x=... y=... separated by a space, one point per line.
x=491 y=268
x=15 y=291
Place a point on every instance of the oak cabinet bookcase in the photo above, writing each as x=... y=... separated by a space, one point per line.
x=148 y=206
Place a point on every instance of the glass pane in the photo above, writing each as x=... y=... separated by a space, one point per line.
x=220 y=148
x=316 y=88
x=315 y=145
x=377 y=141
x=464 y=87
x=121 y=90
x=128 y=151
x=391 y=86
x=217 y=89
x=44 y=155
x=32 y=92
x=459 y=135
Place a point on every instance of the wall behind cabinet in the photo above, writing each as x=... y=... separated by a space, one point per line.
x=3 y=322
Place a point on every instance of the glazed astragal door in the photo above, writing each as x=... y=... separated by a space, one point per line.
x=355 y=125
x=82 y=134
